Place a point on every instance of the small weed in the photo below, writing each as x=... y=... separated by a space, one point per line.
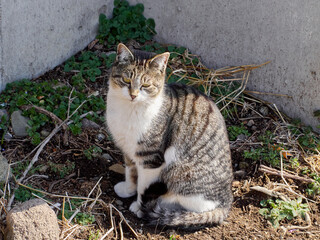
x=87 y=64
x=127 y=23
x=94 y=235
x=23 y=194
x=62 y=169
x=268 y=153
x=235 y=131
x=278 y=210
x=3 y=128
x=81 y=217
x=92 y=152
x=294 y=163
x=51 y=98
x=313 y=188
x=174 y=237
x=308 y=140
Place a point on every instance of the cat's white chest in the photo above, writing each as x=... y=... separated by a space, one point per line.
x=127 y=122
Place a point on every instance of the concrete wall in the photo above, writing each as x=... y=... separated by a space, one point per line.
x=233 y=32
x=37 y=35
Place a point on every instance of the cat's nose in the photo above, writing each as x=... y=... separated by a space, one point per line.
x=133 y=96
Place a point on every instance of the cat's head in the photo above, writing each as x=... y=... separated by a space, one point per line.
x=138 y=76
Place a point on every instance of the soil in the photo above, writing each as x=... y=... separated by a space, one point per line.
x=244 y=221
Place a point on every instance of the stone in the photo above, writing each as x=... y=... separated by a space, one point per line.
x=118 y=168
x=88 y=124
x=44 y=133
x=118 y=202
x=4 y=168
x=33 y=219
x=19 y=124
x=250 y=123
x=100 y=137
x=107 y=156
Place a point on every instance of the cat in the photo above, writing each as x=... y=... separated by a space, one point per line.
x=174 y=142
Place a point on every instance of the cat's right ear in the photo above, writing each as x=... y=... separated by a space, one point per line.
x=124 y=55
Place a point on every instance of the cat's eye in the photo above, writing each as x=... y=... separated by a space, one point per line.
x=145 y=85
x=126 y=80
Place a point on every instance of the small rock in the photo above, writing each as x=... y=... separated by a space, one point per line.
x=33 y=219
x=100 y=137
x=240 y=173
x=242 y=137
x=43 y=169
x=88 y=124
x=118 y=202
x=7 y=136
x=19 y=124
x=4 y=168
x=44 y=133
x=107 y=156
x=264 y=110
x=250 y=123
x=118 y=168
x=243 y=165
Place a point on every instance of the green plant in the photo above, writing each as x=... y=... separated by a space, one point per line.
x=94 y=235
x=52 y=97
x=23 y=194
x=127 y=22
x=278 y=210
x=308 y=140
x=87 y=64
x=235 y=131
x=313 y=188
x=92 y=152
x=174 y=237
x=62 y=169
x=81 y=217
x=3 y=128
x=268 y=152
x=294 y=163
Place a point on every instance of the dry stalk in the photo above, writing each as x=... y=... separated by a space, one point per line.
x=276 y=172
x=270 y=193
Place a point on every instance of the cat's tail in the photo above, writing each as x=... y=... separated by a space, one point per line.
x=181 y=218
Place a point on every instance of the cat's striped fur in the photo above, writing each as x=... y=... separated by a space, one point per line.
x=174 y=141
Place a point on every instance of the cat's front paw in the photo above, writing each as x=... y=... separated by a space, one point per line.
x=135 y=208
x=124 y=190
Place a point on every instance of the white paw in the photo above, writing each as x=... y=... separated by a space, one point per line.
x=123 y=190
x=135 y=208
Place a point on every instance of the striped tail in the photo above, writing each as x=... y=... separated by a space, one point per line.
x=181 y=218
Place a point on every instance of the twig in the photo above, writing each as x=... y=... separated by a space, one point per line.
x=276 y=172
x=55 y=119
x=270 y=193
x=85 y=205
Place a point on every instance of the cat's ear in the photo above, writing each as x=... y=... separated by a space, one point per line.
x=159 y=61
x=124 y=55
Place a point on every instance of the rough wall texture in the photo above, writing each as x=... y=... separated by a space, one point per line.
x=36 y=36
x=236 y=32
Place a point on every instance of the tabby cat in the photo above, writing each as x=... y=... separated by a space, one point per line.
x=174 y=142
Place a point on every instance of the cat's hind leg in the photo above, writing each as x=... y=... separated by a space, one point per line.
x=128 y=188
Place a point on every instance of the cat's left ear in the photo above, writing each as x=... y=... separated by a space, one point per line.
x=124 y=55
x=160 y=61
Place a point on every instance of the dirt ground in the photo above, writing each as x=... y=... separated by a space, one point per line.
x=244 y=221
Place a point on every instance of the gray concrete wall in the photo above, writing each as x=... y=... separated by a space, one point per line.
x=233 y=32
x=37 y=35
